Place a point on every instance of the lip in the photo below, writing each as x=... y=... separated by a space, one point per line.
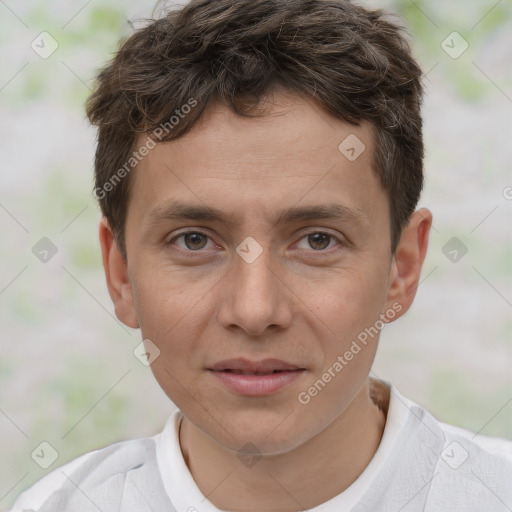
x=257 y=379
x=248 y=366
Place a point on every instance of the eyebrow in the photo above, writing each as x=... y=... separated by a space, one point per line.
x=178 y=210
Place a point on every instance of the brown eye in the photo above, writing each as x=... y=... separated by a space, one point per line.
x=195 y=241
x=191 y=241
x=319 y=241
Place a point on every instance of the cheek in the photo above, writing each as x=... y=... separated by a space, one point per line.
x=350 y=300
x=173 y=313
x=163 y=298
x=350 y=309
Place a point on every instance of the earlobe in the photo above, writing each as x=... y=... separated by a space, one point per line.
x=408 y=260
x=116 y=274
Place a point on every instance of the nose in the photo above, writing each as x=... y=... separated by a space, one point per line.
x=255 y=297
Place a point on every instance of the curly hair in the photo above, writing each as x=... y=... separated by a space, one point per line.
x=353 y=62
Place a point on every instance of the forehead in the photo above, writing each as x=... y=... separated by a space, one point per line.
x=295 y=153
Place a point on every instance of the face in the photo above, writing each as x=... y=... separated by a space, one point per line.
x=256 y=239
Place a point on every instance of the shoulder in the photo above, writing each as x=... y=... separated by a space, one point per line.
x=106 y=468
x=473 y=473
x=490 y=444
x=440 y=467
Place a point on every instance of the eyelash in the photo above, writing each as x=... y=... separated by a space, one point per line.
x=190 y=252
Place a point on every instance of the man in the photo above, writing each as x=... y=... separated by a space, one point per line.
x=258 y=167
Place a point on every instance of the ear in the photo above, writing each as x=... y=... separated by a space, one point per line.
x=116 y=273
x=408 y=260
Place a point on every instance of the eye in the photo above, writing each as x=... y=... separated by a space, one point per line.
x=318 y=241
x=193 y=241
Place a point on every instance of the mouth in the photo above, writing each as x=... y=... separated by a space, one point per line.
x=242 y=372
x=241 y=366
x=256 y=378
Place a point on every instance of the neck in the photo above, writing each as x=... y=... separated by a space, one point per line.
x=303 y=478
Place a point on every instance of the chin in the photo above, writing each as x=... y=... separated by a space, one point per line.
x=271 y=433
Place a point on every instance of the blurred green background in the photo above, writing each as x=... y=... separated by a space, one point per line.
x=68 y=375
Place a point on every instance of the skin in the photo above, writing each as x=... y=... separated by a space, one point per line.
x=303 y=300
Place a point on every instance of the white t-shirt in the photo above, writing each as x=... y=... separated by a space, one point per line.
x=420 y=465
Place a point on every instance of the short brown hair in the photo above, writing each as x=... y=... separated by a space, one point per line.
x=352 y=61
